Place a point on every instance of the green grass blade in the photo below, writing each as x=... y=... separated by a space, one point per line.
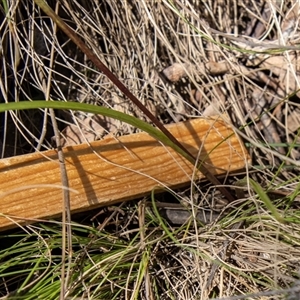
x=89 y=108
x=264 y=198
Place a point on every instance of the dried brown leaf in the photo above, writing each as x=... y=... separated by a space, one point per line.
x=87 y=130
x=290 y=21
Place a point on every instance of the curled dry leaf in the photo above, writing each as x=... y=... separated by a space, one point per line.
x=293 y=120
x=218 y=100
x=87 y=130
x=286 y=68
x=290 y=22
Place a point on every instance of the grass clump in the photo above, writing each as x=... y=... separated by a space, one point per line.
x=131 y=251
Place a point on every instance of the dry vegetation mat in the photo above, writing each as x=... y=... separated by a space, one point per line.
x=182 y=60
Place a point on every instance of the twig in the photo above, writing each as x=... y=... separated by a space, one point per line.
x=66 y=214
x=66 y=211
